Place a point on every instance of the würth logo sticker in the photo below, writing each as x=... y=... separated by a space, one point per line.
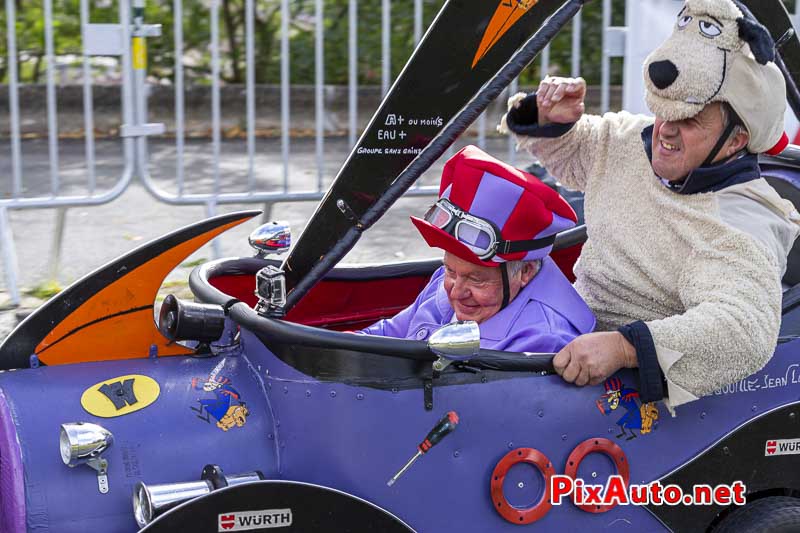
x=782 y=447
x=246 y=520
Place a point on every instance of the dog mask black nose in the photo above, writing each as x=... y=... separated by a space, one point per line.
x=663 y=73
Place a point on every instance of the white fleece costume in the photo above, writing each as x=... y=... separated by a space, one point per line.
x=703 y=270
x=701 y=266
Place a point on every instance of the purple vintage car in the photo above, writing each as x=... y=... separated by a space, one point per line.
x=254 y=408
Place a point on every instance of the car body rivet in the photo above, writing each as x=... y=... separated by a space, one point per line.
x=308 y=394
x=484 y=379
x=594 y=474
x=270 y=436
x=456 y=453
x=286 y=390
x=521 y=485
x=564 y=437
x=702 y=415
x=792 y=416
x=510 y=444
x=333 y=394
x=754 y=408
x=540 y=413
x=359 y=396
x=394 y=390
x=726 y=450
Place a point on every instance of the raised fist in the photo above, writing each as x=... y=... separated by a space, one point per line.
x=560 y=100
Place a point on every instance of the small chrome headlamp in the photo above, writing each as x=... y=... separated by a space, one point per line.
x=83 y=443
x=271 y=238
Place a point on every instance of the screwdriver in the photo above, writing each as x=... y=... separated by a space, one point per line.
x=444 y=427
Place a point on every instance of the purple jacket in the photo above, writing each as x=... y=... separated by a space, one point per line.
x=544 y=317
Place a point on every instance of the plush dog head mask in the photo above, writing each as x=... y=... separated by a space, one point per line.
x=719 y=52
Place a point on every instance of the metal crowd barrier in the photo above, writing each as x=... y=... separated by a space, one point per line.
x=127 y=40
x=56 y=197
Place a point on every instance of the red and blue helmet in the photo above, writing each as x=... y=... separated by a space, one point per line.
x=489 y=212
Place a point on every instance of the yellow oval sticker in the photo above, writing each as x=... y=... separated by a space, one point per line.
x=120 y=396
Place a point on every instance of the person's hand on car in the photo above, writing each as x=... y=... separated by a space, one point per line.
x=591 y=358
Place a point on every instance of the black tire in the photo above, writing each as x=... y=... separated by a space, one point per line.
x=775 y=514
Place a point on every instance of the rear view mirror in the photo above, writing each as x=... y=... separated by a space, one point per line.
x=457 y=341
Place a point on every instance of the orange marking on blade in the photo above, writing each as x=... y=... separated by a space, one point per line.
x=97 y=331
x=506 y=15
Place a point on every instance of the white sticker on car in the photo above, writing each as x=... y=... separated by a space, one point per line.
x=247 y=520
x=782 y=447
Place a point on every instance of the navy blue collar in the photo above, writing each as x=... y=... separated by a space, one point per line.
x=709 y=178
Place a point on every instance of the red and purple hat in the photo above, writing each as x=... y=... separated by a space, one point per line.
x=527 y=213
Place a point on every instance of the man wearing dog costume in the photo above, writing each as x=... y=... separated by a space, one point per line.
x=687 y=244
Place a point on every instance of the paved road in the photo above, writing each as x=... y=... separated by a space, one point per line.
x=97 y=234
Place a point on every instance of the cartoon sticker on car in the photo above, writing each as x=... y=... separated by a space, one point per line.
x=226 y=407
x=638 y=416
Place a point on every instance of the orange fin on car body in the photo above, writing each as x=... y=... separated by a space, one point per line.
x=109 y=313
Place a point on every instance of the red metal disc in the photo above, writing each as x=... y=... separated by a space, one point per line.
x=598 y=445
x=513 y=514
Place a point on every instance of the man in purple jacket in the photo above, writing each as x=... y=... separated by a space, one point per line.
x=496 y=225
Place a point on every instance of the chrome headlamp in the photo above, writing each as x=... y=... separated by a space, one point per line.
x=271 y=238
x=83 y=443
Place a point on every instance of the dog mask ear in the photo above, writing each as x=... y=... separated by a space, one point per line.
x=756 y=35
x=759 y=39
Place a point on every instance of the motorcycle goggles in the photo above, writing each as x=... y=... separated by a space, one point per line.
x=479 y=235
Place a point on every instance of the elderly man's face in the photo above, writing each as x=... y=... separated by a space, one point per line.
x=681 y=146
x=476 y=292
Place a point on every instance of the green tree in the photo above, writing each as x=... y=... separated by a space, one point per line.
x=30 y=34
x=196 y=58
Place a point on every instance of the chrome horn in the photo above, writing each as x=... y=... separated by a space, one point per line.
x=150 y=501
